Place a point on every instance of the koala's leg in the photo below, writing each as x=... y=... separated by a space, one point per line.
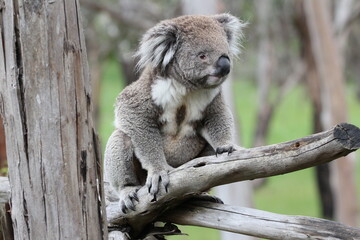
x=207 y=151
x=120 y=170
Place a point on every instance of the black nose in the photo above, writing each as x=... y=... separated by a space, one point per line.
x=222 y=66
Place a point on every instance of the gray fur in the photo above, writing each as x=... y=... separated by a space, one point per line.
x=175 y=111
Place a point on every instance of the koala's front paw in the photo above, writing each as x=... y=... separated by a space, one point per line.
x=226 y=148
x=128 y=196
x=155 y=178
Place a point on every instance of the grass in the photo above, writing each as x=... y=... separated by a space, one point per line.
x=293 y=193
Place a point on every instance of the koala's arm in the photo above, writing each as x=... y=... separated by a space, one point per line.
x=140 y=124
x=218 y=126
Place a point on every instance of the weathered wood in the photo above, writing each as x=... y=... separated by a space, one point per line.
x=236 y=219
x=54 y=160
x=204 y=173
x=3 y=162
x=258 y=223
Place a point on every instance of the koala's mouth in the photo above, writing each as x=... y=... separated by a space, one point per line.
x=208 y=81
x=214 y=80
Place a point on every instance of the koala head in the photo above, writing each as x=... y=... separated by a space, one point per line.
x=196 y=51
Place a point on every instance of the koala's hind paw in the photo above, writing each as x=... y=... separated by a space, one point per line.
x=227 y=148
x=128 y=196
x=154 y=179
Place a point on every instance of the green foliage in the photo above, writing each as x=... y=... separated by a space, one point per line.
x=111 y=85
x=4 y=171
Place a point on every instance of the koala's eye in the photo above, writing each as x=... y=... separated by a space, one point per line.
x=202 y=56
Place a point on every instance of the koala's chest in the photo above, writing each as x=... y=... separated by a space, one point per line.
x=180 y=119
x=181 y=110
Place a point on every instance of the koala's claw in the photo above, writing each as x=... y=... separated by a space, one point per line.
x=128 y=197
x=228 y=148
x=153 y=181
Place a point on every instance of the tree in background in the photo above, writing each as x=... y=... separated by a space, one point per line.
x=328 y=61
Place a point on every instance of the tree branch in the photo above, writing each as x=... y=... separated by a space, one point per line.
x=201 y=174
x=258 y=223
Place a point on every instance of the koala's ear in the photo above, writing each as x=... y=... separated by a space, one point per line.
x=158 y=46
x=233 y=28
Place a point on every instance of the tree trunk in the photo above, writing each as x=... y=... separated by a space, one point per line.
x=313 y=84
x=3 y=162
x=328 y=62
x=198 y=6
x=54 y=159
x=264 y=72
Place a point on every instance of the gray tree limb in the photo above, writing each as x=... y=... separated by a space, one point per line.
x=258 y=223
x=201 y=174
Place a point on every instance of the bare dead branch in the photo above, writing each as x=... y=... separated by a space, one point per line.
x=203 y=173
x=258 y=223
x=200 y=174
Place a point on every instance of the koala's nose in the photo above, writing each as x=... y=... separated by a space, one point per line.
x=223 y=66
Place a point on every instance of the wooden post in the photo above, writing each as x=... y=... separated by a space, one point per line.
x=54 y=160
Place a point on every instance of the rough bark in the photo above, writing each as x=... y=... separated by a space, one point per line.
x=203 y=173
x=328 y=61
x=3 y=162
x=54 y=170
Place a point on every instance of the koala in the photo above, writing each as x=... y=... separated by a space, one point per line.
x=175 y=111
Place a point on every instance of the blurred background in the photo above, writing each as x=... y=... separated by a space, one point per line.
x=298 y=73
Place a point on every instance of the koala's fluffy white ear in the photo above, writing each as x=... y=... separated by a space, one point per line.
x=158 y=46
x=233 y=28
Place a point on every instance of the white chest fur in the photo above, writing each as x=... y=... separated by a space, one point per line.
x=171 y=95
